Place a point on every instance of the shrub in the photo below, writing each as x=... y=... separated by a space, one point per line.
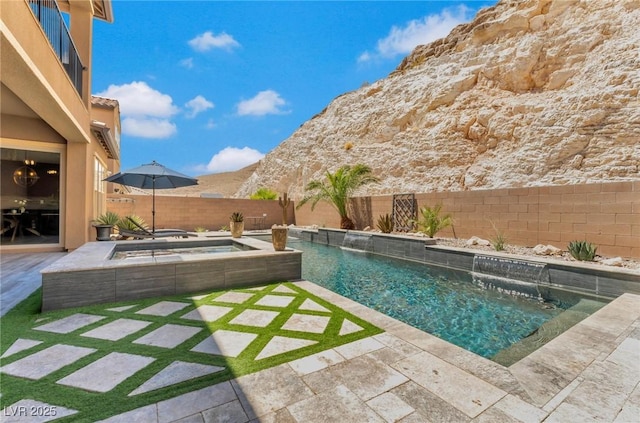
x=348 y=145
x=385 y=223
x=582 y=250
x=499 y=240
x=108 y=218
x=199 y=229
x=432 y=222
x=264 y=194
x=236 y=217
x=126 y=224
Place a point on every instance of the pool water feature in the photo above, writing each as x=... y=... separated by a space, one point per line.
x=444 y=302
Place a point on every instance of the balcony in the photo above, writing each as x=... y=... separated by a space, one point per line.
x=53 y=24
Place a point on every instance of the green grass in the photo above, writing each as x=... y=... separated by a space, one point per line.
x=20 y=323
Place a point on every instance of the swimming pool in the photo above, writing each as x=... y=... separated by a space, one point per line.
x=444 y=302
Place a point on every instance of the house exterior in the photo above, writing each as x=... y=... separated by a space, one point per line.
x=57 y=141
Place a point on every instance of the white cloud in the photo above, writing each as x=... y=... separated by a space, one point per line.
x=148 y=127
x=231 y=158
x=207 y=41
x=187 y=63
x=211 y=124
x=402 y=40
x=196 y=105
x=264 y=103
x=146 y=112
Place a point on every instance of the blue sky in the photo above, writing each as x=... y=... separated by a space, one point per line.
x=208 y=86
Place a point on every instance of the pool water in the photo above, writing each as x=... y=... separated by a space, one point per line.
x=121 y=255
x=443 y=302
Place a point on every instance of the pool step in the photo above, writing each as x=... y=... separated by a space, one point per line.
x=545 y=333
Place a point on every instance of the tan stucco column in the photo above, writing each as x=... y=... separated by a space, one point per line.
x=79 y=203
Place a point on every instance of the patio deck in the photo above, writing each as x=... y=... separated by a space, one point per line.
x=589 y=373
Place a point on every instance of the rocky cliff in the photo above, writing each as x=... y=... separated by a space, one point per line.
x=536 y=92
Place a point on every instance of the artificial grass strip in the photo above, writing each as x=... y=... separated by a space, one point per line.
x=21 y=321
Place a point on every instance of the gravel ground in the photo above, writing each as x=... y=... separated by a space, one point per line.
x=527 y=251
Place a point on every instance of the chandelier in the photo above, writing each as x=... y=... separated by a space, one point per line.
x=25 y=176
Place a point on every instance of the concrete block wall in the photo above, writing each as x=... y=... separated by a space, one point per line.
x=607 y=214
x=190 y=212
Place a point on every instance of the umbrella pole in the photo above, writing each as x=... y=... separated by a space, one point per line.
x=153 y=205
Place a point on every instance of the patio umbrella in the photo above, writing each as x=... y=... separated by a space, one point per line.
x=152 y=176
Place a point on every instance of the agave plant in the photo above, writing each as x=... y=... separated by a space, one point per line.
x=385 y=223
x=582 y=250
x=432 y=222
x=108 y=218
x=237 y=217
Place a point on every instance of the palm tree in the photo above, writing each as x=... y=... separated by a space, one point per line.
x=337 y=188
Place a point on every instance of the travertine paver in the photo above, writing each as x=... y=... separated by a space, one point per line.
x=309 y=304
x=20 y=345
x=280 y=344
x=225 y=342
x=168 y=336
x=122 y=308
x=275 y=300
x=349 y=327
x=106 y=373
x=176 y=372
x=207 y=313
x=335 y=405
x=42 y=363
x=70 y=323
x=390 y=407
x=117 y=329
x=307 y=323
x=367 y=377
x=269 y=390
x=163 y=308
x=195 y=402
x=231 y=412
x=256 y=318
x=147 y=414
x=447 y=381
x=32 y=411
x=315 y=362
x=360 y=347
x=199 y=297
x=284 y=290
x=521 y=410
x=233 y=297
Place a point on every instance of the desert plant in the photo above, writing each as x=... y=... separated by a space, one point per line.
x=236 y=217
x=385 y=223
x=348 y=145
x=108 y=218
x=284 y=203
x=499 y=240
x=199 y=229
x=432 y=221
x=337 y=188
x=582 y=250
x=224 y=228
x=126 y=224
x=264 y=194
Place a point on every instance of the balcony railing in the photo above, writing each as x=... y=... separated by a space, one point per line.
x=52 y=22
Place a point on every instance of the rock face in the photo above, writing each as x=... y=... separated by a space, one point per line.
x=534 y=92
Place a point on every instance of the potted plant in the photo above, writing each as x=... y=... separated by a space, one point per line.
x=279 y=232
x=237 y=224
x=104 y=225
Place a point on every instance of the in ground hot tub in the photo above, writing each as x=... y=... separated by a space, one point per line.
x=153 y=268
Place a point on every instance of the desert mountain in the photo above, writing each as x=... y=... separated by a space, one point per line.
x=531 y=92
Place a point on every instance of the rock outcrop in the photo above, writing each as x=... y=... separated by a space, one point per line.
x=534 y=92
